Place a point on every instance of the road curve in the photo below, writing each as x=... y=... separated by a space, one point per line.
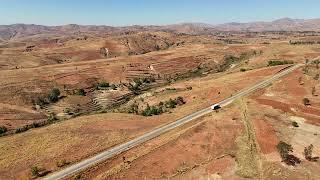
x=82 y=165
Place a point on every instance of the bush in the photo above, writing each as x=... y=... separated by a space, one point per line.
x=189 y=88
x=295 y=124
x=306 y=101
x=41 y=101
x=52 y=118
x=79 y=92
x=134 y=108
x=61 y=163
x=180 y=101
x=3 y=129
x=22 y=129
x=114 y=87
x=170 y=104
x=284 y=150
x=35 y=171
x=102 y=85
x=243 y=70
x=54 y=95
x=308 y=153
x=163 y=106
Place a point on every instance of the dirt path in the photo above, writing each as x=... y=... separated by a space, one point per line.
x=248 y=156
x=18 y=108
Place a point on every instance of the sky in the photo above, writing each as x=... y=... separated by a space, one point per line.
x=152 y=12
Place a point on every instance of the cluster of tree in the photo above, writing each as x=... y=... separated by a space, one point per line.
x=105 y=85
x=303 y=42
x=51 y=118
x=163 y=106
x=139 y=82
x=284 y=150
x=278 y=62
x=52 y=97
x=157 y=109
x=231 y=59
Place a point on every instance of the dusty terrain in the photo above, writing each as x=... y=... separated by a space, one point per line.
x=145 y=66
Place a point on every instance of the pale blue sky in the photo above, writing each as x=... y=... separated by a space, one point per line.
x=152 y=12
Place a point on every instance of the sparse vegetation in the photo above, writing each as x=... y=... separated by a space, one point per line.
x=308 y=154
x=303 y=42
x=278 y=62
x=284 y=150
x=243 y=70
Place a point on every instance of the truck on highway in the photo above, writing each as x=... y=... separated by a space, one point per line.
x=215 y=107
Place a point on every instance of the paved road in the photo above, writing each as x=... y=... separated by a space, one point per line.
x=161 y=130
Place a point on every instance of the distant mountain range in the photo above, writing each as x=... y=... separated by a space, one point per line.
x=8 y=32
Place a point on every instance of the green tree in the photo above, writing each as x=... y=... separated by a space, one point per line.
x=3 y=129
x=54 y=95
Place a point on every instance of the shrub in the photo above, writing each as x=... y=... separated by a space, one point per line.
x=243 y=70
x=114 y=87
x=35 y=171
x=170 y=104
x=103 y=84
x=316 y=77
x=295 y=124
x=21 y=129
x=284 y=149
x=3 y=129
x=79 y=92
x=308 y=153
x=61 y=163
x=134 y=108
x=306 y=101
x=137 y=81
x=54 y=95
x=180 y=101
x=189 y=88
x=162 y=106
x=52 y=118
x=41 y=101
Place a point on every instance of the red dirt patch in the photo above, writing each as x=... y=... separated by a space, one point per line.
x=265 y=135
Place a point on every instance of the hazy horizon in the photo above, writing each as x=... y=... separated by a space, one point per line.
x=143 y=12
